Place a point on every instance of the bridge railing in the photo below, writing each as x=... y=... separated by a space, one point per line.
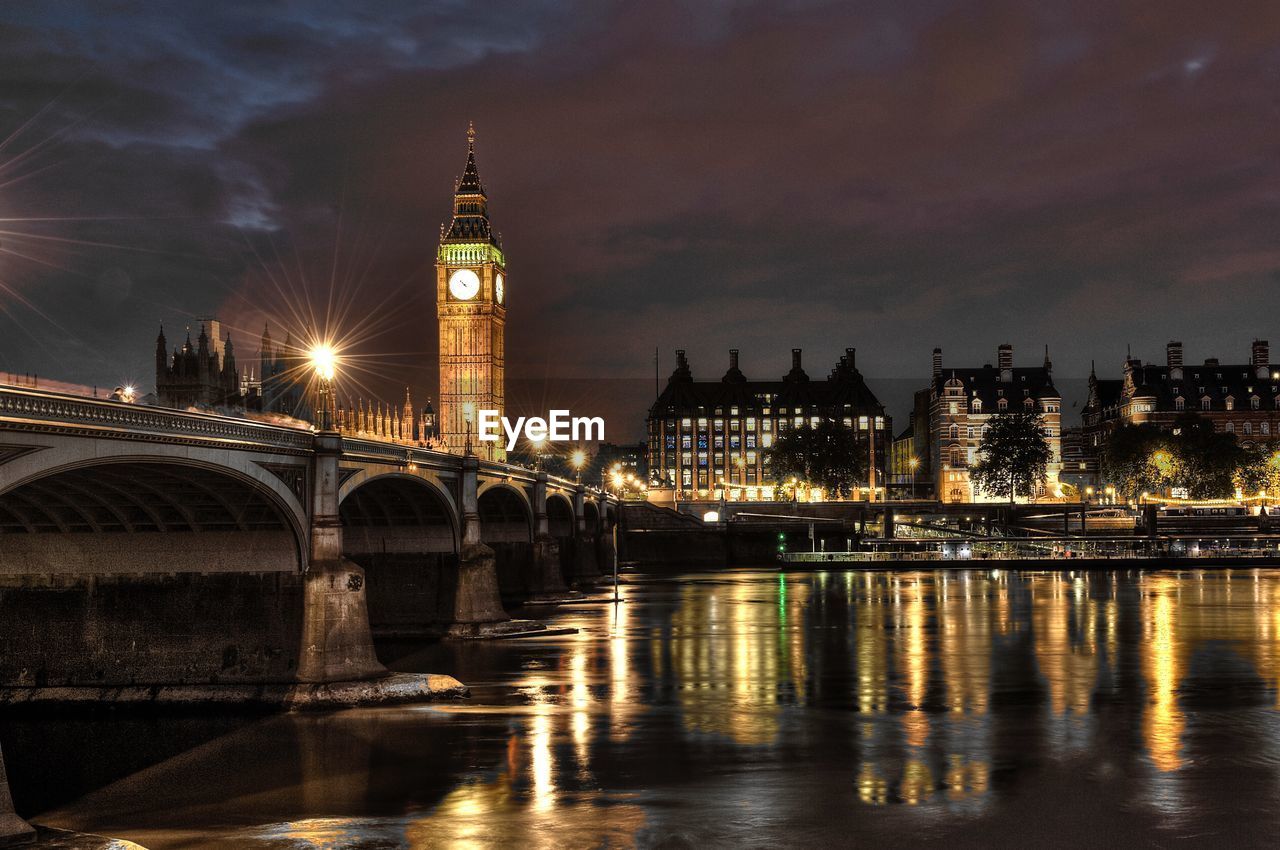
x=22 y=409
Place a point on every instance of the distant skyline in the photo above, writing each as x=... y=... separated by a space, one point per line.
x=759 y=176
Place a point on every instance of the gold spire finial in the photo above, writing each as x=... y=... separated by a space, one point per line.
x=471 y=135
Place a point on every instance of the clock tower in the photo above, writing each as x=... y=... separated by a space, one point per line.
x=471 y=306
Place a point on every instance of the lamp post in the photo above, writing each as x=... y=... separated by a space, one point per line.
x=325 y=362
x=914 y=464
x=578 y=459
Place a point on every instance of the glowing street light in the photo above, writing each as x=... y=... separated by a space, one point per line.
x=578 y=460
x=324 y=360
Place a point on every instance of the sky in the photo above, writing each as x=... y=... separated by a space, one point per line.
x=704 y=175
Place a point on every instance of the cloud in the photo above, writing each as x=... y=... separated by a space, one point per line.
x=741 y=174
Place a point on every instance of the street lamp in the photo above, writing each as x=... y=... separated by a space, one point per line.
x=578 y=459
x=324 y=360
x=914 y=464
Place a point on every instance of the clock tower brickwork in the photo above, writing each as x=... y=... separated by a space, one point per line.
x=471 y=307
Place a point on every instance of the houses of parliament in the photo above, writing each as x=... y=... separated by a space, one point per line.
x=471 y=289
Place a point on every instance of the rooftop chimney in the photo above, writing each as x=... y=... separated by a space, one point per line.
x=937 y=362
x=681 y=362
x=1261 y=358
x=1004 y=356
x=1261 y=353
x=733 y=358
x=849 y=353
x=795 y=359
x=1173 y=354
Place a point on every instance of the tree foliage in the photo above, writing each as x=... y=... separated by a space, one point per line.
x=1259 y=471
x=829 y=456
x=1014 y=455
x=1207 y=463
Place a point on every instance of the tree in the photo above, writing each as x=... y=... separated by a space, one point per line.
x=1259 y=471
x=1138 y=458
x=1014 y=455
x=1207 y=460
x=828 y=455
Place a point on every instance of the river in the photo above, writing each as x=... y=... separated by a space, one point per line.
x=747 y=709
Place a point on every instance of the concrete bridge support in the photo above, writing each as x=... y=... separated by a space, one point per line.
x=13 y=829
x=585 y=570
x=336 y=642
x=606 y=545
x=547 y=582
x=477 y=604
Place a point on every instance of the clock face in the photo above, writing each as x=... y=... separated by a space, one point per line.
x=499 y=287
x=463 y=284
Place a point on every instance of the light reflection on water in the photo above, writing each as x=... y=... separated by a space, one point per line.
x=789 y=710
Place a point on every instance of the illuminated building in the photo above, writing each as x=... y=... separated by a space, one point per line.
x=199 y=375
x=962 y=401
x=376 y=420
x=471 y=307
x=712 y=437
x=1243 y=400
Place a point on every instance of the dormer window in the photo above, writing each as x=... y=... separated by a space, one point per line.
x=977 y=405
x=1255 y=403
x=1231 y=403
x=1204 y=403
x=1179 y=403
x=1003 y=404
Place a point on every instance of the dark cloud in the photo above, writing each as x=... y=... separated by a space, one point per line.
x=747 y=174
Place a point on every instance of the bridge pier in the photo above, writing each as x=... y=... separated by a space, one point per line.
x=547 y=580
x=13 y=829
x=585 y=567
x=606 y=545
x=477 y=603
x=337 y=644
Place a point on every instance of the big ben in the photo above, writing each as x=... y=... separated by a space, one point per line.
x=471 y=305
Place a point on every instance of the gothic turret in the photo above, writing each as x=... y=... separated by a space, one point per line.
x=470 y=203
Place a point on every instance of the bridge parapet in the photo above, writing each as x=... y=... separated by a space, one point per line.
x=29 y=410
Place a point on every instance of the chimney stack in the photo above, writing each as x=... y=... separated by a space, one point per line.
x=1261 y=353
x=937 y=362
x=1004 y=356
x=849 y=353
x=733 y=358
x=795 y=359
x=681 y=362
x=1173 y=354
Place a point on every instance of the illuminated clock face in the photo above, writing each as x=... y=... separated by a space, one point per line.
x=463 y=284
x=499 y=287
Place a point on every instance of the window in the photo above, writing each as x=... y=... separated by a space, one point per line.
x=1204 y=403
x=1231 y=403
x=1255 y=403
x=1264 y=428
x=970 y=432
x=734 y=441
x=862 y=423
x=1003 y=404
x=977 y=405
x=954 y=408
x=751 y=423
x=957 y=457
x=1247 y=429
x=1179 y=403
x=686 y=442
x=1231 y=428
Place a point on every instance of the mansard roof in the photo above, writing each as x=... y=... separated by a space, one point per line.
x=984 y=383
x=845 y=387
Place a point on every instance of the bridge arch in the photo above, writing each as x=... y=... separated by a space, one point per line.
x=591 y=515
x=506 y=516
x=151 y=514
x=402 y=529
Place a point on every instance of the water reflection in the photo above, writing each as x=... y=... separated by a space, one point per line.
x=737 y=704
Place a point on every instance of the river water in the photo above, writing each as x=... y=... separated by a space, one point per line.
x=752 y=709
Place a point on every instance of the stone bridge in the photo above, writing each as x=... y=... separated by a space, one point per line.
x=147 y=546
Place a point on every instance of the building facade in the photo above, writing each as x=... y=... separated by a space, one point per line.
x=1241 y=399
x=711 y=439
x=962 y=401
x=471 y=309
x=202 y=374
